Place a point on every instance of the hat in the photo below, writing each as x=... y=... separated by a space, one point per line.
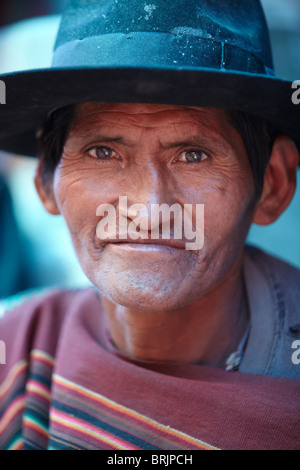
x=205 y=53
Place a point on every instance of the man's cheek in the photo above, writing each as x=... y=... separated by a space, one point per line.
x=225 y=219
x=79 y=213
x=74 y=194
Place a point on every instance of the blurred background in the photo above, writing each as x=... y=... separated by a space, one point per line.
x=35 y=248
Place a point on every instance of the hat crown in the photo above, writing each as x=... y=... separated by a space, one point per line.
x=234 y=22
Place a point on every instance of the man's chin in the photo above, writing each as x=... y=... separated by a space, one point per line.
x=149 y=282
x=152 y=294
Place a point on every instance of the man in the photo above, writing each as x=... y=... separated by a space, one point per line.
x=154 y=107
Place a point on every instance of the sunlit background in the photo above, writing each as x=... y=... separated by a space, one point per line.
x=35 y=248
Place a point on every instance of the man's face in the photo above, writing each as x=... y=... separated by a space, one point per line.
x=155 y=154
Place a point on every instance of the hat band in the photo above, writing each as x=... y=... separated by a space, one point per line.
x=157 y=50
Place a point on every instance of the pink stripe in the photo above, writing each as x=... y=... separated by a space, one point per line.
x=36 y=427
x=91 y=430
x=138 y=420
x=15 y=408
x=36 y=387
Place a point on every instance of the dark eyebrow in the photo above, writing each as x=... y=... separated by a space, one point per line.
x=199 y=141
x=215 y=141
x=94 y=138
x=181 y=143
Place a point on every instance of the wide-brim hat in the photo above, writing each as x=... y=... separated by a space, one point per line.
x=205 y=53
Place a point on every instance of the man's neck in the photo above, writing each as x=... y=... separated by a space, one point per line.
x=206 y=331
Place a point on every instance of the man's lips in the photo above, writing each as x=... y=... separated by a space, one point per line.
x=147 y=243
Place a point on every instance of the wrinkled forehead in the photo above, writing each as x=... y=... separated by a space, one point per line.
x=155 y=126
x=150 y=116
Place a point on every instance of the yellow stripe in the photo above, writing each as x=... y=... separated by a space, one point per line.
x=11 y=377
x=79 y=427
x=17 y=445
x=122 y=409
x=56 y=439
x=21 y=366
x=14 y=408
x=42 y=356
x=39 y=390
x=35 y=425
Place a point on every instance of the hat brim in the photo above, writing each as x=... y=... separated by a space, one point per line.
x=30 y=95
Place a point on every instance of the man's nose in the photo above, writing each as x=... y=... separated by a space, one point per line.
x=151 y=188
x=151 y=184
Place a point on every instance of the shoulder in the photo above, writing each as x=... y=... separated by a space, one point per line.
x=273 y=288
x=31 y=328
x=32 y=321
x=282 y=278
x=275 y=266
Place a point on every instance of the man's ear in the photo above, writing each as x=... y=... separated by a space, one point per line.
x=279 y=182
x=45 y=192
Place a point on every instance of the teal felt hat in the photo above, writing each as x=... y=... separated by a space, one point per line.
x=208 y=53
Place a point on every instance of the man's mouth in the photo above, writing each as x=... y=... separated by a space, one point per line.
x=144 y=244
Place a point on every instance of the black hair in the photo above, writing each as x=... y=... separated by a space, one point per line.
x=257 y=134
x=51 y=140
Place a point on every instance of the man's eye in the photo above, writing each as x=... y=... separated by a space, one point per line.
x=102 y=153
x=193 y=156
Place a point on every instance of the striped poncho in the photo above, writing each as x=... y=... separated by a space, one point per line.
x=63 y=389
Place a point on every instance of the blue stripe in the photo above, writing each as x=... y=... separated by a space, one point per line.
x=105 y=426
